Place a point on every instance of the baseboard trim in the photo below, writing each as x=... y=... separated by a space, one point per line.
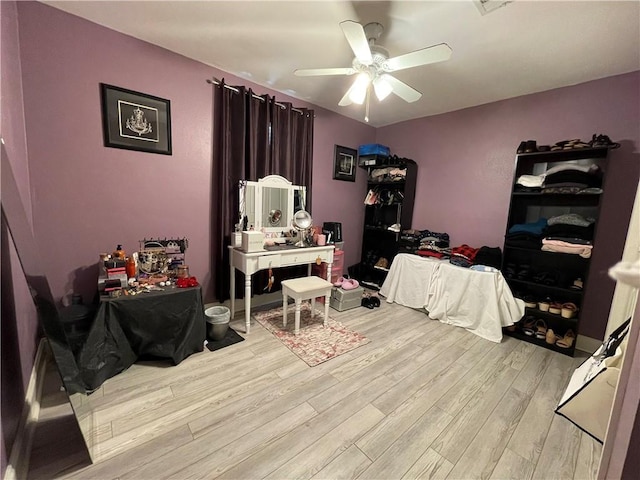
x=587 y=344
x=18 y=465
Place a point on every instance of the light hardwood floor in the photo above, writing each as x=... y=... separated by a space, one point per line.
x=421 y=400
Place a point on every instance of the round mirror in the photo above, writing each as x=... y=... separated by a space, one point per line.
x=274 y=218
x=301 y=222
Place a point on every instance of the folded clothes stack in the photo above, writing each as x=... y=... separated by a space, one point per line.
x=489 y=256
x=433 y=251
x=566 y=178
x=388 y=174
x=560 y=246
x=434 y=244
x=569 y=233
x=526 y=235
x=434 y=238
x=463 y=256
x=529 y=183
x=570 y=178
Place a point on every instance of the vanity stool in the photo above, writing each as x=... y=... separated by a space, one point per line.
x=305 y=288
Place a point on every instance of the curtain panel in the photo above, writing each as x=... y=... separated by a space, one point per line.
x=253 y=136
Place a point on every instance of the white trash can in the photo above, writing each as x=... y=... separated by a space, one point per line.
x=217 y=322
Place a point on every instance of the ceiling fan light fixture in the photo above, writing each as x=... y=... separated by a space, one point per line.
x=382 y=87
x=359 y=89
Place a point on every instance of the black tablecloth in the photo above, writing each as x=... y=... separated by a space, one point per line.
x=163 y=324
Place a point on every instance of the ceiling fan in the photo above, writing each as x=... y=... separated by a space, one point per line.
x=373 y=66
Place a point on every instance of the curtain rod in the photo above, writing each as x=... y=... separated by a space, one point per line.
x=214 y=81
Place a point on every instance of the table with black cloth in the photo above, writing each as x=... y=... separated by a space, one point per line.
x=168 y=324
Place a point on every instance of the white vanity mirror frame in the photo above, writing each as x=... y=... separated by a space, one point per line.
x=251 y=203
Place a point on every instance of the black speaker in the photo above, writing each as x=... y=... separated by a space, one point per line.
x=333 y=231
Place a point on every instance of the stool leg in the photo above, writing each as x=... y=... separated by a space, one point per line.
x=313 y=307
x=326 y=308
x=284 y=309
x=297 y=324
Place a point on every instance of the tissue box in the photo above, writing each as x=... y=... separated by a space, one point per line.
x=252 y=241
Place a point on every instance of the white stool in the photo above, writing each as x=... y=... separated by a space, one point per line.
x=305 y=288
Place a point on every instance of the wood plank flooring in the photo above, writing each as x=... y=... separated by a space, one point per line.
x=421 y=400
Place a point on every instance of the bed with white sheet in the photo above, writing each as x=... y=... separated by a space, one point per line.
x=478 y=301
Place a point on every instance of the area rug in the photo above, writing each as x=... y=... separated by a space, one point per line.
x=315 y=344
x=230 y=338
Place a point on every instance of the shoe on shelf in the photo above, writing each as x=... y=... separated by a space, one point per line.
x=543 y=305
x=555 y=308
x=528 y=325
x=510 y=270
x=551 y=338
x=530 y=301
x=577 y=284
x=524 y=271
x=530 y=146
x=541 y=329
x=603 y=141
x=382 y=263
x=569 y=310
x=567 y=340
x=394 y=228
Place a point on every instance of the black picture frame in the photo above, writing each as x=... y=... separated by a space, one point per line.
x=344 y=163
x=135 y=121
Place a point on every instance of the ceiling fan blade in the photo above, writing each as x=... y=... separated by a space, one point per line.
x=404 y=91
x=433 y=54
x=357 y=39
x=312 y=72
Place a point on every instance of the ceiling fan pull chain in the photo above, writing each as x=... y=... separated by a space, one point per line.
x=366 y=107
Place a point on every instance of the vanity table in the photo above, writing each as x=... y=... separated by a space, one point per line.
x=270 y=206
x=275 y=257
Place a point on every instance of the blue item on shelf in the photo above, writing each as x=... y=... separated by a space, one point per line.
x=374 y=149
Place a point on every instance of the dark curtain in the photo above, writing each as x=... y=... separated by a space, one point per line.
x=293 y=146
x=252 y=138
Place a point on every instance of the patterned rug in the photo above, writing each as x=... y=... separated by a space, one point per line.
x=314 y=344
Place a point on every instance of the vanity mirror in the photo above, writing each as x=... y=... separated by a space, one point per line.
x=270 y=203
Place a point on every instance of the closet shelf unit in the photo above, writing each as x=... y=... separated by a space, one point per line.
x=563 y=272
x=393 y=207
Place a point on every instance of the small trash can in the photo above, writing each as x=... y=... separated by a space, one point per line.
x=217 y=322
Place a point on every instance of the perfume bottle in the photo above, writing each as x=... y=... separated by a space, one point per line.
x=119 y=253
x=130 y=267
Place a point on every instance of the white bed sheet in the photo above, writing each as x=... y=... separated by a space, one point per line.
x=480 y=302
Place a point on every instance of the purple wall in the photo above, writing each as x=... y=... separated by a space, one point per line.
x=88 y=198
x=466 y=162
x=19 y=317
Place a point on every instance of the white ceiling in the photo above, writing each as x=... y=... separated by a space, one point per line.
x=524 y=47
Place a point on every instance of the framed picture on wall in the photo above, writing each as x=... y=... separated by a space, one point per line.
x=344 y=163
x=135 y=121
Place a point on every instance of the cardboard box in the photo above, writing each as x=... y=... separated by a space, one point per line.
x=252 y=241
x=342 y=299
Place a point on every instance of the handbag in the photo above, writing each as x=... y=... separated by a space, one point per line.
x=588 y=398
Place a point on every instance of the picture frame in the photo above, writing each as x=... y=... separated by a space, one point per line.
x=344 y=163
x=135 y=121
